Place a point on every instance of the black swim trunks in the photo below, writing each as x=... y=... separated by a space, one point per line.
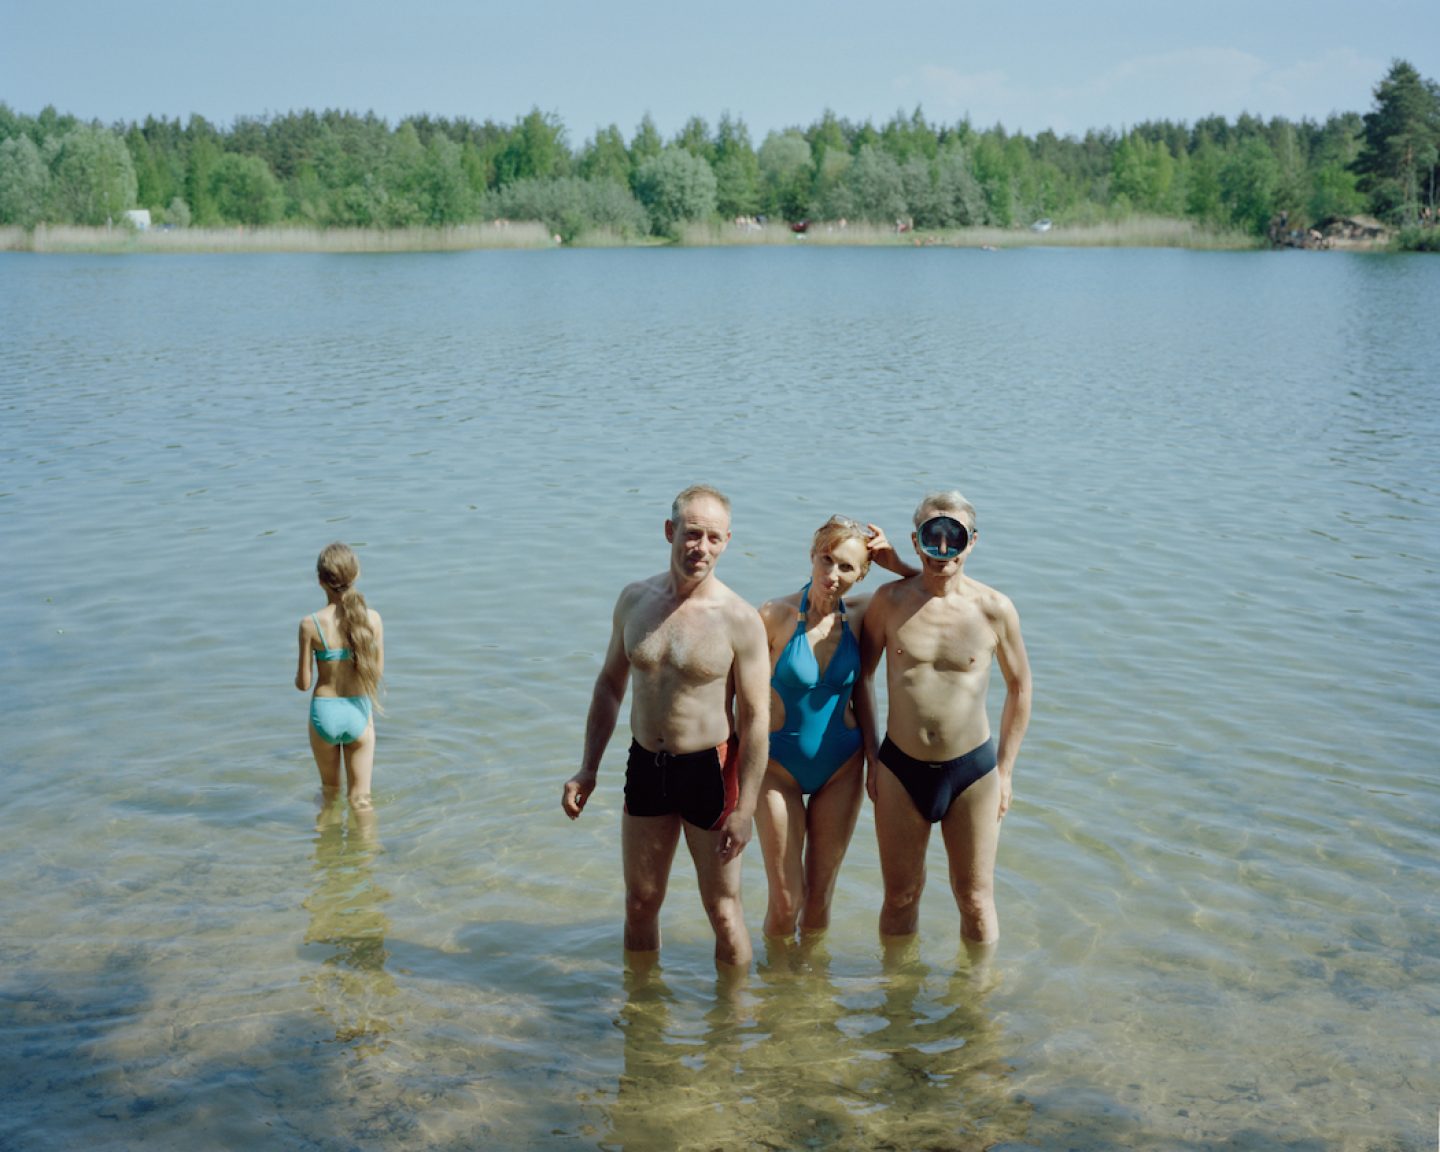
x=934 y=784
x=702 y=786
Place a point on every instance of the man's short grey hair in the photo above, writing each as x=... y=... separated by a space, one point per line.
x=694 y=492
x=945 y=500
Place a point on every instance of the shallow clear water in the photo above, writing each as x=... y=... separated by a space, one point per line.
x=1208 y=481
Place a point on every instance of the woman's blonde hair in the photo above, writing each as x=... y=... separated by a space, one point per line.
x=837 y=530
x=338 y=568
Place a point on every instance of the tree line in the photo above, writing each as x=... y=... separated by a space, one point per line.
x=338 y=169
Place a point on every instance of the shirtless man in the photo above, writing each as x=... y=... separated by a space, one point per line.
x=939 y=631
x=689 y=645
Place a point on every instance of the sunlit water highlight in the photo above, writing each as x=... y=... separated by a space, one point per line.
x=1208 y=481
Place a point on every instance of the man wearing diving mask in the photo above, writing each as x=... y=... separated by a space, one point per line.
x=940 y=632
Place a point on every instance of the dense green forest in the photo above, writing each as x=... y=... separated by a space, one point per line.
x=341 y=170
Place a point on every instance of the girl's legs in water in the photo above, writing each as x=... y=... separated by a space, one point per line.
x=359 y=764
x=358 y=759
x=327 y=759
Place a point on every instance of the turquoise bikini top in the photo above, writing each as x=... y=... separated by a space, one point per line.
x=328 y=655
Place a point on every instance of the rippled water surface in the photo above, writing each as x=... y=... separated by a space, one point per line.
x=1209 y=482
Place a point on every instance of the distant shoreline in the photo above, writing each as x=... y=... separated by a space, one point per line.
x=1138 y=232
x=1135 y=232
x=71 y=238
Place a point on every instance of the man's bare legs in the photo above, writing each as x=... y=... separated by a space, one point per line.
x=720 y=893
x=971 y=831
x=972 y=838
x=647 y=847
x=902 y=835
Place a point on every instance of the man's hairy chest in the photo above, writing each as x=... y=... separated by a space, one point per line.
x=689 y=643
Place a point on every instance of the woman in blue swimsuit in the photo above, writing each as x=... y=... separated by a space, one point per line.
x=816 y=750
x=347 y=677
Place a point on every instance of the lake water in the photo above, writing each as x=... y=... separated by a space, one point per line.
x=1209 y=481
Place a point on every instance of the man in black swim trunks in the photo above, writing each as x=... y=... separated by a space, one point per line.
x=679 y=637
x=940 y=631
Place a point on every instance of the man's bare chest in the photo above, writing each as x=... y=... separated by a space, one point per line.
x=945 y=638
x=694 y=645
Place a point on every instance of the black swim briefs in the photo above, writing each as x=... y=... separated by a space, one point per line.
x=702 y=786
x=934 y=784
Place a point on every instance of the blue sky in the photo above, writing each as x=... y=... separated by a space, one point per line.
x=1065 y=66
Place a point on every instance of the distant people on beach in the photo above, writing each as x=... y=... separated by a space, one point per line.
x=814 y=782
x=939 y=632
x=346 y=677
x=695 y=655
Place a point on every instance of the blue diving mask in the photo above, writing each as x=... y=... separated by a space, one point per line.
x=943 y=537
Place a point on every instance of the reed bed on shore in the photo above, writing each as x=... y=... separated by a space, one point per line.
x=1134 y=232
x=461 y=238
x=729 y=235
x=610 y=238
x=1131 y=232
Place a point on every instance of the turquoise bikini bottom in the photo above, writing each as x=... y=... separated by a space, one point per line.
x=340 y=719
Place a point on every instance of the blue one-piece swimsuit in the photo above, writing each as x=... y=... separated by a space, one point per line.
x=814 y=742
x=337 y=719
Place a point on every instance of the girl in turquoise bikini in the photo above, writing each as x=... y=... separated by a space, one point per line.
x=347 y=677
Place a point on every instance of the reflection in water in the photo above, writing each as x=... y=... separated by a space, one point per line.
x=803 y=1058
x=654 y=1075
x=347 y=917
x=937 y=1065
